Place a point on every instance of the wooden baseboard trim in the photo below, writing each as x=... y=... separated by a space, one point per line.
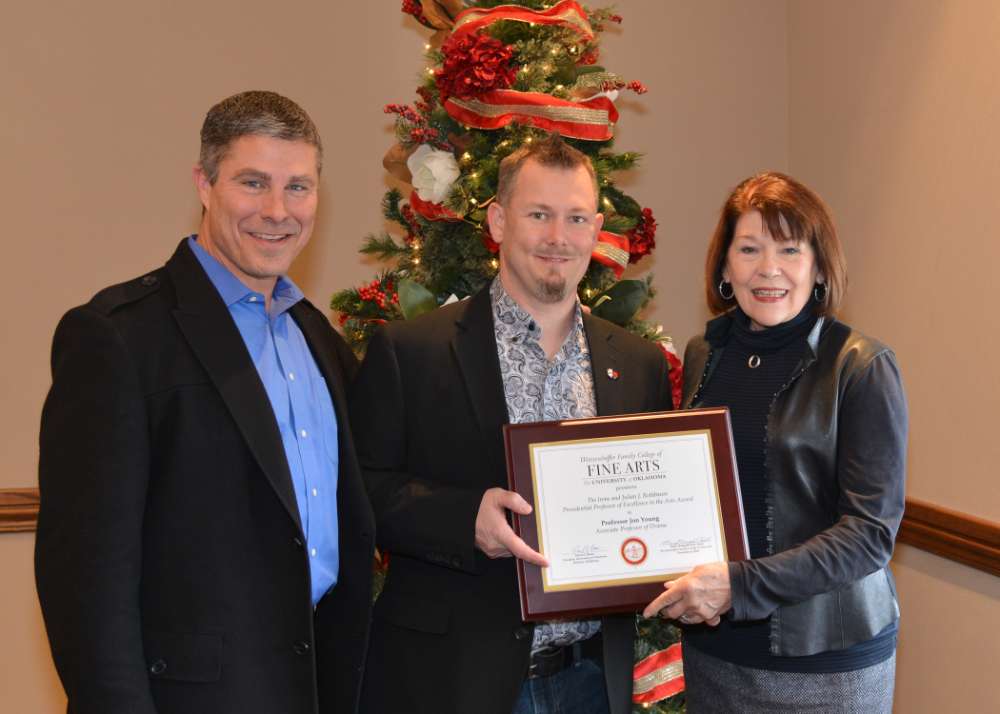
x=18 y=509
x=951 y=534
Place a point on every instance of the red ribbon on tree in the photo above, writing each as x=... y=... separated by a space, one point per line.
x=566 y=13
x=658 y=676
x=592 y=119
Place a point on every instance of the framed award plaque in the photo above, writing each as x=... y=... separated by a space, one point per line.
x=621 y=505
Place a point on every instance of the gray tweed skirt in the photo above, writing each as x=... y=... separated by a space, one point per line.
x=713 y=686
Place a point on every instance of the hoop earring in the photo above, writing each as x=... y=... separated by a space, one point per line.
x=818 y=293
x=722 y=293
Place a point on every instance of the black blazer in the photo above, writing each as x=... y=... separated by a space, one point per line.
x=836 y=473
x=169 y=559
x=427 y=408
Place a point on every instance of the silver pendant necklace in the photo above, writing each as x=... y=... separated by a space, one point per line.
x=753 y=362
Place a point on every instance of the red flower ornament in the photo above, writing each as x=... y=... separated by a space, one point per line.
x=642 y=238
x=474 y=65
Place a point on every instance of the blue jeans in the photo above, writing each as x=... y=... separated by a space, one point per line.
x=578 y=689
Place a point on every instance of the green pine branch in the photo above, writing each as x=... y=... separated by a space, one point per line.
x=390 y=206
x=616 y=223
x=383 y=246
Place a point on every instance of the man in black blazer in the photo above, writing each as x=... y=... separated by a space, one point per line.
x=204 y=542
x=428 y=407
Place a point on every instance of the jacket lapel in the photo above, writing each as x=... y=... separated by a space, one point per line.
x=215 y=339
x=475 y=349
x=605 y=361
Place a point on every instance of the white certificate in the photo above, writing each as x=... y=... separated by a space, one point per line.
x=627 y=509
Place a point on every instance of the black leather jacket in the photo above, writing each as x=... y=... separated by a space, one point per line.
x=835 y=469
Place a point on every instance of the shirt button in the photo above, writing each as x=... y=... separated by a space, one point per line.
x=304 y=433
x=291 y=376
x=315 y=492
x=312 y=552
x=253 y=298
x=300 y=648
x=158 y=667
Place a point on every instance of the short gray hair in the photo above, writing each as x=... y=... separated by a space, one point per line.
x=254 y=113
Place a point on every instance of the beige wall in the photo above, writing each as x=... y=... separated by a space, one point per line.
x=98 y=129
x=948 y=653
x=28 y=682
x=894 y=110
x=894 y=114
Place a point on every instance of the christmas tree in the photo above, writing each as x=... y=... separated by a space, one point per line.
x=501 y=74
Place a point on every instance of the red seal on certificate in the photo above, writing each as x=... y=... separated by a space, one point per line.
x=634 y=551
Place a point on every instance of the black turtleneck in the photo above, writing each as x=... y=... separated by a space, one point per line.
x=754 y=367
x=748 y=391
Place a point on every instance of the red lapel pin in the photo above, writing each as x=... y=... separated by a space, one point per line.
x=613 y=373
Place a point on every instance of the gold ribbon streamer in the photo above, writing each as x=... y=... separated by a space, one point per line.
x=658 y=677
x=567 y=13
x=579 y=115
x=612 y=252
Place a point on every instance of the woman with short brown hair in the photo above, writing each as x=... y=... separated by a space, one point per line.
x=819 y=422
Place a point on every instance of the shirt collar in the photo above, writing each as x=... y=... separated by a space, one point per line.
x=517 y=323
x=232 y=290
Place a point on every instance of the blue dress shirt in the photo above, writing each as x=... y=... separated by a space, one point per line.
x=302 y=407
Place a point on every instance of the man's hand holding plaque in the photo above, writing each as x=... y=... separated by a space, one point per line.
x=494 y=536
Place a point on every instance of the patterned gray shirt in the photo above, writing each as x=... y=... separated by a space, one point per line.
x=537 y=389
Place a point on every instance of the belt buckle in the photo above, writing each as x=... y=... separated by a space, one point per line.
x=547 y=661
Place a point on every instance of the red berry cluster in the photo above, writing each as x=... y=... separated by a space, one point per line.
x=374 y=292
x=404 y=111
x=415 y=124
x=642 y=238
x=412 y=226
x=635 y=85
x=589 y=57
x=426 y=135
x=598 y=19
